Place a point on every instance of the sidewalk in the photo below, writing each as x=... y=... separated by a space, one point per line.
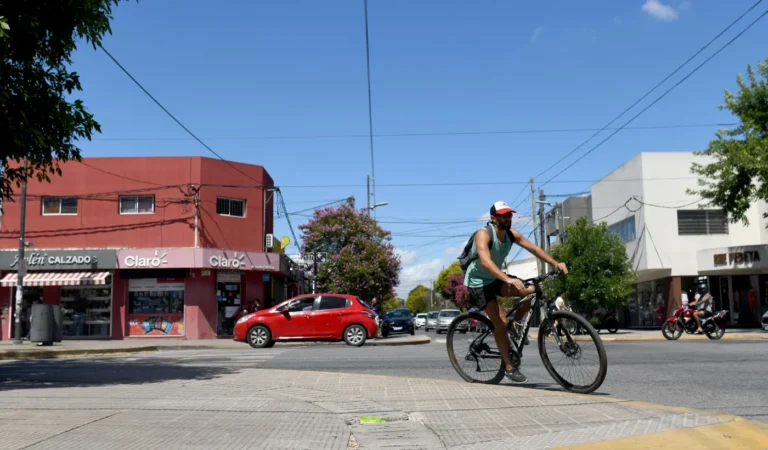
x=655 y=335
x=258 y=408
x=67 y=348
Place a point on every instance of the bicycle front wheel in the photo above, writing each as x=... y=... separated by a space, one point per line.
x=473 y=352
x=578 y=364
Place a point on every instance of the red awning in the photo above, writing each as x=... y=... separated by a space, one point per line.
x=57 y=279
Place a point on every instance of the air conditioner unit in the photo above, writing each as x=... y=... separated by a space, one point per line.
x=270 y=241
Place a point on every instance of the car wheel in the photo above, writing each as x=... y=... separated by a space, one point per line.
x=259 y=336
x=355 y=335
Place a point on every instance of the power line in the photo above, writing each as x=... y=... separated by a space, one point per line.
x=424 y=134
x=652 y=90
x=288 y=219
x=318 y=207
x=661 y=96
x=171 y=115
x=370 y=103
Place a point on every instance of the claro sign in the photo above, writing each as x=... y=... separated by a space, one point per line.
x=235 y=262
x=154 y=262
x=204 y=258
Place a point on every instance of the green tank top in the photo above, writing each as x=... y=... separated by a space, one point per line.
x=477 y=276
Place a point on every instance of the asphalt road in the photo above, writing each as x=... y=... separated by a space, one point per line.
x=723 y=376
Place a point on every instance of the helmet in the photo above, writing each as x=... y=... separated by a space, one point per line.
x=702 y=289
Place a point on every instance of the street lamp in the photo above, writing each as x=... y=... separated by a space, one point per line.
x=374 y=206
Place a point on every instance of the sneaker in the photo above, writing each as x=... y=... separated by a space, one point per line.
x=516 y=376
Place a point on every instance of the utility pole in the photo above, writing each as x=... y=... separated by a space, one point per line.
x=557 y=211
x=543 y=229
x=539 y=263
x=314 y=273
x=22 y=263
x=368 y=195
x=197 y=215
x=432 y=294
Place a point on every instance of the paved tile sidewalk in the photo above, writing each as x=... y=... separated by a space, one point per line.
x=257 y=408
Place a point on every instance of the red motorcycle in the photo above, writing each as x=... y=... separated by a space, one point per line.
x=682 y=320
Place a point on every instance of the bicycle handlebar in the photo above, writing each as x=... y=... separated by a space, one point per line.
x=537 y=280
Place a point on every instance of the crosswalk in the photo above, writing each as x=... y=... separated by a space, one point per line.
x=229 y=358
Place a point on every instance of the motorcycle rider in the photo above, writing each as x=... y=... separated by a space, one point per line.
x=703 y=303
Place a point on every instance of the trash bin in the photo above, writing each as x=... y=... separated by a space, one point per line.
x=42 y=323
x=58 y=326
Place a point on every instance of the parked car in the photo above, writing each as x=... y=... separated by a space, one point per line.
x=431 y=320
x=420 y=320
x=397 y=321
x=314 y=317
x=444 y=319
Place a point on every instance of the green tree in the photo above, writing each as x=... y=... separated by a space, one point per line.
x=361 y=259
x=392 y=303
x=441 y=285
x=737 y=177
x=599 y=271
x=418 y=299
x=39 y=122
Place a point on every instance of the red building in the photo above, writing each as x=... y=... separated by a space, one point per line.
x=138 y=247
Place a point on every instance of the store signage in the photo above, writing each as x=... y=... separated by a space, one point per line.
x=236 y=262
x=229 y=277
x=159 y=260
x=724 y=259
x=155 y=284
x=59 y=259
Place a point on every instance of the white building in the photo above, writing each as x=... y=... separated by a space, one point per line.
x=523 y=268
x=672 y=241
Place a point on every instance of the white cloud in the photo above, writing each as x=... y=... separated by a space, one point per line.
x=406 y=256
x=660 y=10
x=537 y=33
x=454 y=251
x=416 y=274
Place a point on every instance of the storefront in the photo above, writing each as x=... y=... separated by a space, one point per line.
x=81 y=281
x=738 y=280
x=193 y=293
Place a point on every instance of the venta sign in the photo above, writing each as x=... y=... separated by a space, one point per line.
x=36 y=259
x=748 y=257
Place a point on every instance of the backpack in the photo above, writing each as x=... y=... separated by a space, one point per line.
x=466 y=258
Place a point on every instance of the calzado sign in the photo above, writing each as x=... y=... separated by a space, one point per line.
x=40 y=259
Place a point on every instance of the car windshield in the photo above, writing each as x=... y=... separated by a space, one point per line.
x=433 y=315
x=362 y=302
x=449 y=313
x=421 y=316
x=398 y=313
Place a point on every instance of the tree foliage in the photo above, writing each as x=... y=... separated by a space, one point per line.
x=738 y=176
x=599 y=271
x=392 y=303
x=441 y=285
x=418 y=299
x=38 y=122
x=361 y=259
x=457 y=292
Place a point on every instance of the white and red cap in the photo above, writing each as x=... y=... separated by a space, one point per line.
x=500 y=208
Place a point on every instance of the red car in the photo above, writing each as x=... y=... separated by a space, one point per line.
x=310 y=317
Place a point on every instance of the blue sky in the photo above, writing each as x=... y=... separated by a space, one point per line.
x=246 y=70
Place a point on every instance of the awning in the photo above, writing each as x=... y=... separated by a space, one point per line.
x=57 y=279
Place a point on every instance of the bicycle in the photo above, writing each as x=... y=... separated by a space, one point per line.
x=554 y=325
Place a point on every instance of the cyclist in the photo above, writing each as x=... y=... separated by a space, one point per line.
x=486 y=281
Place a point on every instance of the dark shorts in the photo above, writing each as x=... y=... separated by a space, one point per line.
x=480 y=297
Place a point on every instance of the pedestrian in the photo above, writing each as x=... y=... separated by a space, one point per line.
x=377 y=310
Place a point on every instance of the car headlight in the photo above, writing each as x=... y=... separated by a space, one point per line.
x=245 y=317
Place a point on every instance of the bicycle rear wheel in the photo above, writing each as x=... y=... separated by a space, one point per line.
x=474 y=354
x=571 y=351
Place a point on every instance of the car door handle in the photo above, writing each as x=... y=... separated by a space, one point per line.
x=341 y=313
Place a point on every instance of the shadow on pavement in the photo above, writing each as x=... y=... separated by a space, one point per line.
x=40 y=374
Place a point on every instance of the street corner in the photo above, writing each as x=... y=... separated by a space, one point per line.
x=394 y=341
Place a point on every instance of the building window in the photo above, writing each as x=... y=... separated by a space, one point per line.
x=230 y=207
x=143 y=204
x=624 y=229
x=701 y=222
x=57 y=206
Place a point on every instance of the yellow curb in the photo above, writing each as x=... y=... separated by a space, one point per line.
x=738 y=434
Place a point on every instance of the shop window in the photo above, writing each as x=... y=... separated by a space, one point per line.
x=230 y=207
x=334 y=302
x=156 y=307
x=87 y=311
x=141 y=204
x=625 y=229
x=59 y=206
x=701 y=222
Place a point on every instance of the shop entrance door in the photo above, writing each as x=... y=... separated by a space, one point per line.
x=726 y=301
x=229 y=298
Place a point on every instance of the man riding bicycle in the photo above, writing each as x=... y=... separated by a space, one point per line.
x=486 y=281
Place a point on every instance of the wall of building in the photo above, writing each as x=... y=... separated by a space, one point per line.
x=98 y=223
x=523 y=268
